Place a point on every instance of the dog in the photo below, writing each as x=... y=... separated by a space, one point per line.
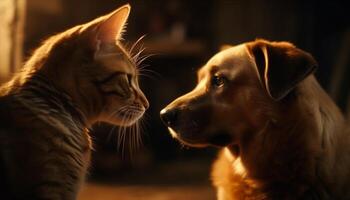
x=282 y=137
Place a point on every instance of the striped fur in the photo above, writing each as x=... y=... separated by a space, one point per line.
x=51 y=105
x=75 y=79
x=55 y=134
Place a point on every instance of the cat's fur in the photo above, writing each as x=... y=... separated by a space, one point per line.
x=73 y=80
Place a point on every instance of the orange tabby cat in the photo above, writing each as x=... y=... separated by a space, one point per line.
x=73 y=80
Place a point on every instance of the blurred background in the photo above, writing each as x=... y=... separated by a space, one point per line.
x=183 y=35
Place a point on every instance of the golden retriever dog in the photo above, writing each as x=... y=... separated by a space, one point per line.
x=282 y=137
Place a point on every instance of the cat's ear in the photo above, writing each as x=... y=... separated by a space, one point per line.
x=107 y=29
x=111 y=29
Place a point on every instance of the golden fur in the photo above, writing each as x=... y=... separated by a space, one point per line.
x=282 y=135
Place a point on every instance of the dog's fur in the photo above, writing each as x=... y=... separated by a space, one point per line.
x=283 y=136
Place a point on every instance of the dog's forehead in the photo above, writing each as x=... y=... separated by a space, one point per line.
x=233 y=55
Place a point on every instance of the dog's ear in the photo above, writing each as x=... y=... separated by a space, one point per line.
x=281 y=66
x=225 y=46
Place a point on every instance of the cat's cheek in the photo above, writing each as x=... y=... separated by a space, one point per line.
x=115 y=121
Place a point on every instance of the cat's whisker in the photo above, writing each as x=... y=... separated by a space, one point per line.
x=135 y=137
x=122 y=130
x=124 y=137
x=121 y=109
x=129 y=134
x=136 y=43
x=143 y=123
x=133 y=54
x=132 y=140
x=122 y=133
x=147 y=70
x=142 y=67
x=147 y=76
x=109 y=136
x=121 y=144
x=117 y=111
x=139 y=136
x=143 y=58
x=149 y=73
x=135 y=57
x=140 y=60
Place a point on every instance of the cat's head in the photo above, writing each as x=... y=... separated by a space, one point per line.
x=90 y=64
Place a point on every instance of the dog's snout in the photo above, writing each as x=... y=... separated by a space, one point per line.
x=169 y=116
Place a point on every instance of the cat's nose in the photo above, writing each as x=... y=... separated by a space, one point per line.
x=169 y=116
x=144 y=101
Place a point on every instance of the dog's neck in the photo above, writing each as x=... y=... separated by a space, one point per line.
x=293 y=148
x=277 y=164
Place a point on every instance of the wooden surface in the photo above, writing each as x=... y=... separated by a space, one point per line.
x=146 y=192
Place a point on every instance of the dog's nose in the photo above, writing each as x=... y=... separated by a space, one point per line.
x=169 y=116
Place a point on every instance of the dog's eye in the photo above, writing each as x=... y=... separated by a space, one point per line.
x=218 y=81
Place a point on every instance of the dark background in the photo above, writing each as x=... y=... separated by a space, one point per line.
x=184 y=34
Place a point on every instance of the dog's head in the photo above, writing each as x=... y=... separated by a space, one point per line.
x=238 y=90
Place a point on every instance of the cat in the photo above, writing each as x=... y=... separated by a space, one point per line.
x=76 y=78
